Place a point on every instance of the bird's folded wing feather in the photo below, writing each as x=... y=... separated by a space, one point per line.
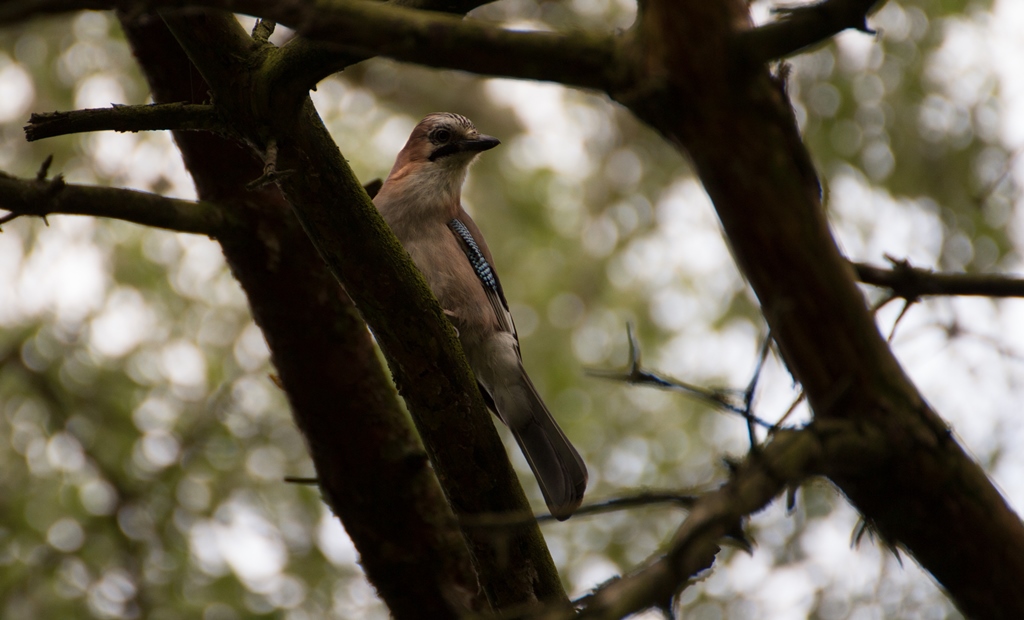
x=476 y=255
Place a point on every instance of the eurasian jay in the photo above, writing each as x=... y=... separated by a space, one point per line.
x=421 y=202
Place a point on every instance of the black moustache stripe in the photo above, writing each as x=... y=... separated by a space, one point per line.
x=444 y=151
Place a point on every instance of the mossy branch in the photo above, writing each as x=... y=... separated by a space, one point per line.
x=43 y=197
x=172 y=116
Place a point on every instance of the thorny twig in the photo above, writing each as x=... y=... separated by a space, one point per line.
x=44 y=199
x=722 y=399
x=912 y=283
x=748 y=394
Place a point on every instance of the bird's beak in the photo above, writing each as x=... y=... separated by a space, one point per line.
x=469 y=145
x=479 y=143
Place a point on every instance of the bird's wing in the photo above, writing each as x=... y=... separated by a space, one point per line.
x=476 y=254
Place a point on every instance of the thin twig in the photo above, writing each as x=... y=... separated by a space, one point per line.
x=301 y=480
x=635 y=374
x=991 y=188
x=650 y=498
x=903 y=312
x=792 y=407
x=748 y=394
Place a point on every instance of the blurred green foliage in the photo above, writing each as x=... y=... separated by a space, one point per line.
x=143 y=447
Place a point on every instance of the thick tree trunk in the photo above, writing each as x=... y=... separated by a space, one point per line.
x=736 y=123
x=515 y=568
x=372 y=469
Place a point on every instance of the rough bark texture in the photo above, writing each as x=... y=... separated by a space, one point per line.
x=463 y=444
x=736 y=124
x=514 y=568
x=372 y=470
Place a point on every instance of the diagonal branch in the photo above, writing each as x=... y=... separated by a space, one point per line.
x=790 y=458
x=803 y=27
x=911 y=282
x=742 y=136
x=126 y=118
x=370 y=464
x=40 y=197
x=415 y=336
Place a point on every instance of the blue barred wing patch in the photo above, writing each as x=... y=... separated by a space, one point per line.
x=476 y=257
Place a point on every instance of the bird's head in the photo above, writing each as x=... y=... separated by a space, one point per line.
x=434 y=161
x=445 y=140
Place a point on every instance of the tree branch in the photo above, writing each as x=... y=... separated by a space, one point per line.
x=40 y=197
x=303 y=62
x=803 y=27
x=786 y=461
x=357 y=29
x=911 y=282
x=424 y=37
x=176 y=116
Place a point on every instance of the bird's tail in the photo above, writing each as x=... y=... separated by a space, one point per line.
x=556 y=464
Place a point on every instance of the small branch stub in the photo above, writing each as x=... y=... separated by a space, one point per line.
x=270 y=172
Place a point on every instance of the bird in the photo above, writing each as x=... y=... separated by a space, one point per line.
x=421 y=201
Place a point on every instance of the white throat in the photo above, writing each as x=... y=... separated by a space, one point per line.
x=438 y=184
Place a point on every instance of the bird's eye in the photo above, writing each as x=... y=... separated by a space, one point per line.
x=442 y=136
